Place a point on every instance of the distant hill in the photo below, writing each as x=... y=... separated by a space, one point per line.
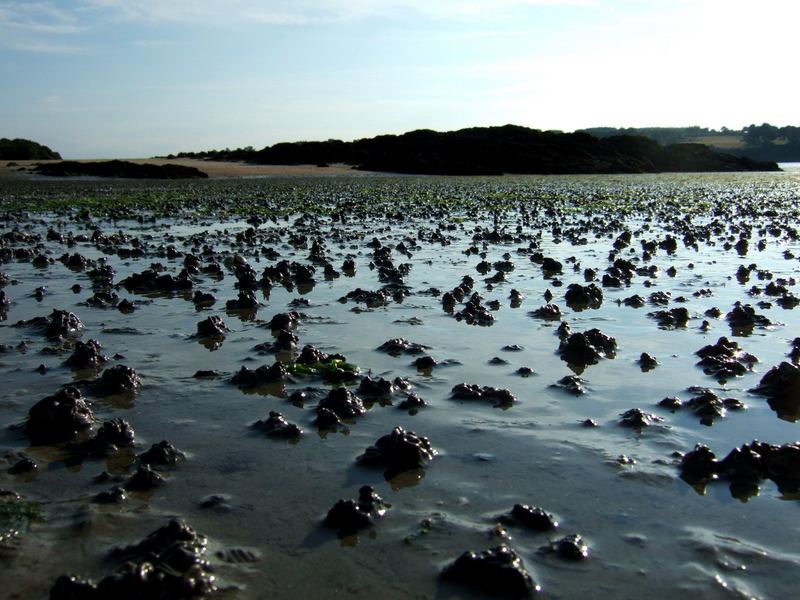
x=758 y=142
x=497 y=150
x=19 y=149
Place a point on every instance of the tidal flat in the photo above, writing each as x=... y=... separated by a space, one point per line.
x=194 y=312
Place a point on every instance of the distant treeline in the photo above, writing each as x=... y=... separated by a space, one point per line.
x=495 y=150
x=759 y=142
x=117 y=168
x=19 y=149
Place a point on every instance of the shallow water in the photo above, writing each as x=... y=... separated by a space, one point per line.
x=649 y=532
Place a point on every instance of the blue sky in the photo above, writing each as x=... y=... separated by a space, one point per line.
x=127 y=78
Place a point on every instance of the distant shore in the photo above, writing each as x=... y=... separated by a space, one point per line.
x=216 y=169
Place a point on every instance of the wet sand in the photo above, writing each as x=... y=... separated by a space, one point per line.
x=649 y=532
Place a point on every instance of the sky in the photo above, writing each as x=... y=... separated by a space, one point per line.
x=139 y=78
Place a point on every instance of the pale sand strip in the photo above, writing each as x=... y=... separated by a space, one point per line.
x=215 y=168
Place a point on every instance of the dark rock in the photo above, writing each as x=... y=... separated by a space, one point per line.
x=497 y=572
x=572 y=384
x=412 y=402
x=86 y=355
x=376 y=388
x=647 y=362
x=371 y=299
x=326 y=419
x=587 y=348
x=398 y=346
x=638 y=419
x=781 y=386
x=499 y=397
x=699 y=465
x=550 y=312
x=144 y=479
x=634 y=301
x=343 y=403
x=213 y=326
x=163 y=453
x=744 y=316
x=118 y=379
x=672 y=318
x=58 y=418
x=579 y=296
x=570 y=547
x=71 y=587
x=399 y=451
x=672 y=403
x=263 y=375
x=725 y=359
x=350 y=516
x=278 y=427
x=533 y=517
x=288 y=320
x=23 y=465
x=245 y=301
x=115 y=495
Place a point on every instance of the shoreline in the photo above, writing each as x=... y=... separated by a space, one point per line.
x=214 y=169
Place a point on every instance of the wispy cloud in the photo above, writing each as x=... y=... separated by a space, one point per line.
x=38 y=17
x=40 y=27
x=298 y=12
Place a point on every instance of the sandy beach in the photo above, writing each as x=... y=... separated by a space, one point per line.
x=215 y=169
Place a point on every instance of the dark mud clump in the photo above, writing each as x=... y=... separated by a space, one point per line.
x=288 y=320
x=587 y=348
x=647 y=362
x=531 y=517
x=118 y=379
x=350 y=516
x=743 y=317
x=144 y=479
x=86 y=355
x=572 y=384
x=671 y=319
x=343 y=403
x=150 y=280
x=748 y=464
x=497 y=572
x=110 y=437
x=571 y=547
x=579 y=297
x=59 y=324
x=169 y=563
x=725 y=359
x=467 y=391
x=548 y=312
x=475 y=313
x=277 y=426
x=398 y=346
x=705 y=404
x=376 y=388
x=781 y=386
x=372 y=299
x=163 y=453
x=636 y=418
x=212 y=327
x=399 y=451
x=58 y=418
x=245 y=301
x=263 y=375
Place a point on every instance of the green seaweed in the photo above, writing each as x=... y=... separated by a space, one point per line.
x=329 y=370
x=16 y=516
